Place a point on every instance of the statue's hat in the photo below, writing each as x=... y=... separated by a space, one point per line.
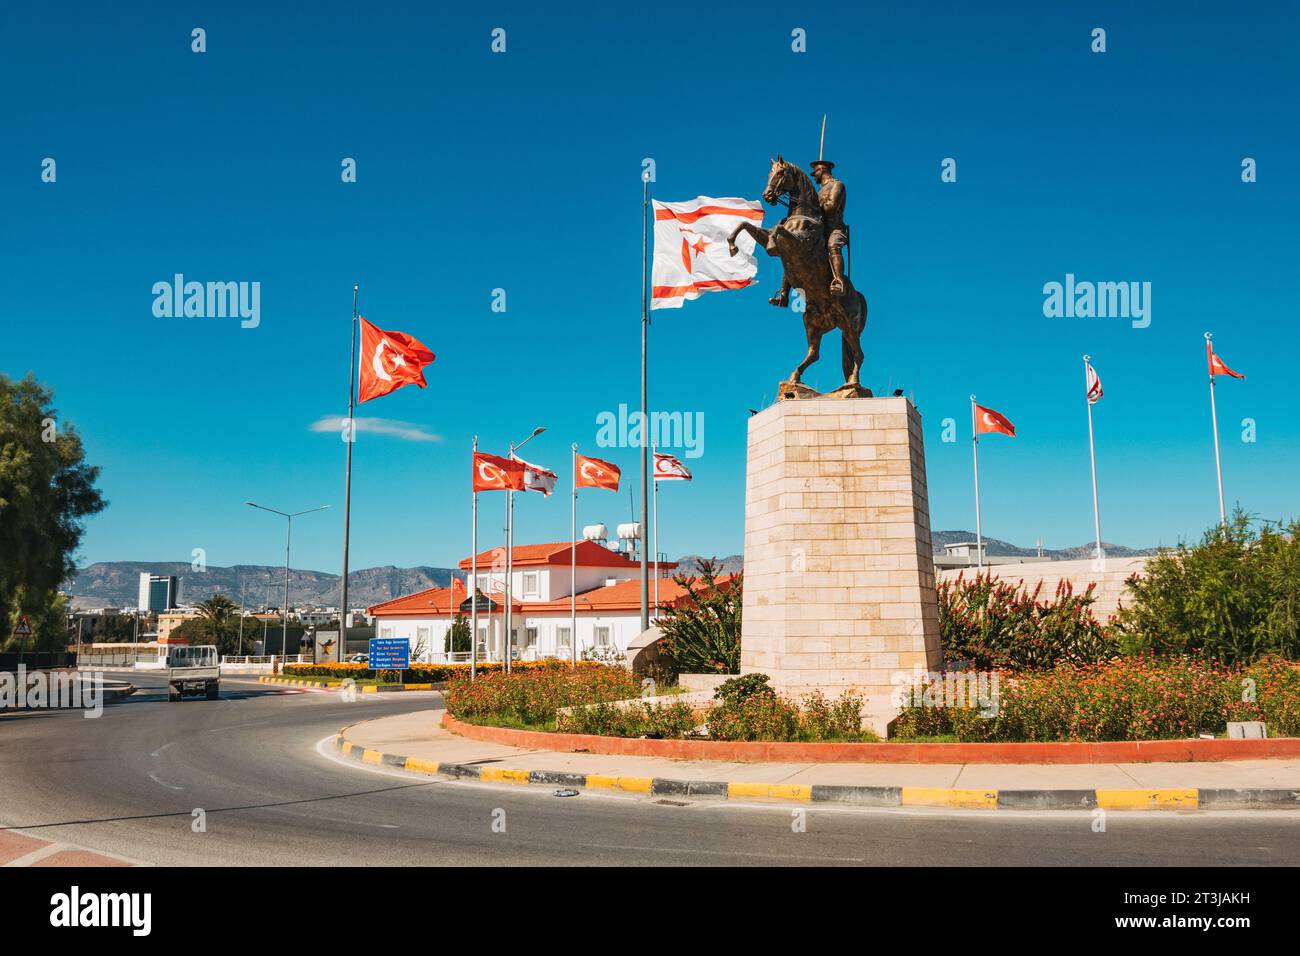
x=823 y=162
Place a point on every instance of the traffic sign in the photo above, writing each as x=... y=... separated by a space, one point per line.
x=389 y=654
x=24 y=628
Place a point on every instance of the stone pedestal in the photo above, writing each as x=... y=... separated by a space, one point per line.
x=839 y=575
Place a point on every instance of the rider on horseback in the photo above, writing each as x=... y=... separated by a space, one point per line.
x=832 y=197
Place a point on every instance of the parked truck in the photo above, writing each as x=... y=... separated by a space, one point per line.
x=193 y=670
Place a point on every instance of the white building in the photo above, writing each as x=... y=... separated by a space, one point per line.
x=608 y=604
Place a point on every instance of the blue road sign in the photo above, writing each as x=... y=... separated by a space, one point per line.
x=389 y=654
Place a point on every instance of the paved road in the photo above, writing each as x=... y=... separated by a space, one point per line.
x=128 y=783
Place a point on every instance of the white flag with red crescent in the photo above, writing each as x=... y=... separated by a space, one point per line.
x=668 y=468
x=1094 y=385
x=691 y=255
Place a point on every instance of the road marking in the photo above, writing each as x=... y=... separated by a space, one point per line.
x=162 y=783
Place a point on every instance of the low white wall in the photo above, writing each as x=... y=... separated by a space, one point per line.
x=1109 y=576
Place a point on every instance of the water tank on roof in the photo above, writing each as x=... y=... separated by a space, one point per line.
x=630 y=531
x=595 y=532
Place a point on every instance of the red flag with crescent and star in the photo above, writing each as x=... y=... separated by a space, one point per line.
x=1217 y=365
x=987 y=420
x=389 y=360
x=594 y=473
x=492 y=473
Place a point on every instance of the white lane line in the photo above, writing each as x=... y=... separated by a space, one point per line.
x=162 y=783
x=39 y=853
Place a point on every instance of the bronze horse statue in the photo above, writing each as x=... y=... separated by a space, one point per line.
x=799 y=241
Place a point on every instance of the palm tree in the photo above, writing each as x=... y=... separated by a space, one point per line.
x=217 y=610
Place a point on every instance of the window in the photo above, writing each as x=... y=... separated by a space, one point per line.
x=530 y=584
x=530 y=636
x=386 y=631
x=602 y=637
x=562 y=636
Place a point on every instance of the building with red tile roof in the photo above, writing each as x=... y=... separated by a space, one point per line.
x=608 y=592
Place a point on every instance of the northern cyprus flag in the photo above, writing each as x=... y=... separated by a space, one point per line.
x=690 y=249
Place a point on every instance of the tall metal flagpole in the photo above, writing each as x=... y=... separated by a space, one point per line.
x=975 y=450
x=510 y=553
x=1092 y=454
x=347 y=483
x=573 y=564
x=655 y=529
x=1214 y=421
x=473 y=576
x=645 y=422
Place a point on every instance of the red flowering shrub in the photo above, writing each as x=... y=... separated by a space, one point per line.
x=996 y=625
x=1137 y=698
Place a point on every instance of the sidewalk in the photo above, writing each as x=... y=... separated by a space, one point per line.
x=417 y=741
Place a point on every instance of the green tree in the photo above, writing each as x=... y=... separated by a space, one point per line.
x=457 y=639
x=702 y=631
x=46 y=492
x=1234 y=597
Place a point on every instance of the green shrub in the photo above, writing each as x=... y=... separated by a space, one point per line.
x=530 y=697
x=995 y=625
x=737 y=690
x=1235 y=597
x=632 y=720
x=702 y=631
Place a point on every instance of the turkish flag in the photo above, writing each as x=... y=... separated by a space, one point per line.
x=594 y=473
x=389 y=360
x=497 y=474
x=987 y=420
x=1217 y=366
x=668 y=468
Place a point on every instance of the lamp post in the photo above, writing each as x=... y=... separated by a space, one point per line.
x=288 y=538
x=510 y=550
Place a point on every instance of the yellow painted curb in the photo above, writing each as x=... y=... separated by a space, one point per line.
x=420 y=764
x=503 y=775
x=772 y=791
x=946 y=797
x=631 y=784
x=371 y=756
x=1168 y=799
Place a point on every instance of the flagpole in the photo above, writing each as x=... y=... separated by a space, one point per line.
x=347 y=484
x=975 y=450
x=573 y=564
x=645 y=424
x=473 y=575
x=1214 y=421
x=1092 y=454
x=655 y=520
x=510 y=547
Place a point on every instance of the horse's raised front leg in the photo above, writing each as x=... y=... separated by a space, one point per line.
x=814 y=350
x=760 y=235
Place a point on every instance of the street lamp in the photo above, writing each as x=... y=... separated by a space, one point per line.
x=510 y=550
x=288 y=537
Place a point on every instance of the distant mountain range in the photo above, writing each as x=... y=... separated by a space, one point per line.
x=116 y=583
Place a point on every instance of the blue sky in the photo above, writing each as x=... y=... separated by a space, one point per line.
x=520 y=171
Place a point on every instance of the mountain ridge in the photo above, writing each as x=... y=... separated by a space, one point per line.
x=116 y=583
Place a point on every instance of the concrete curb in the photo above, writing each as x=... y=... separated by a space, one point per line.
x=1107 y=752
x=940 y=797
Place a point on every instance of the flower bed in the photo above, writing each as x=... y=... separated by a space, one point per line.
x=530 y=696
x=1138 y=698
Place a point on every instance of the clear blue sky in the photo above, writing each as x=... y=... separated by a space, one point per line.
x=521 y=171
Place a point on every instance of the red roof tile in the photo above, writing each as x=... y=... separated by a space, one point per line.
x=590 y=554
